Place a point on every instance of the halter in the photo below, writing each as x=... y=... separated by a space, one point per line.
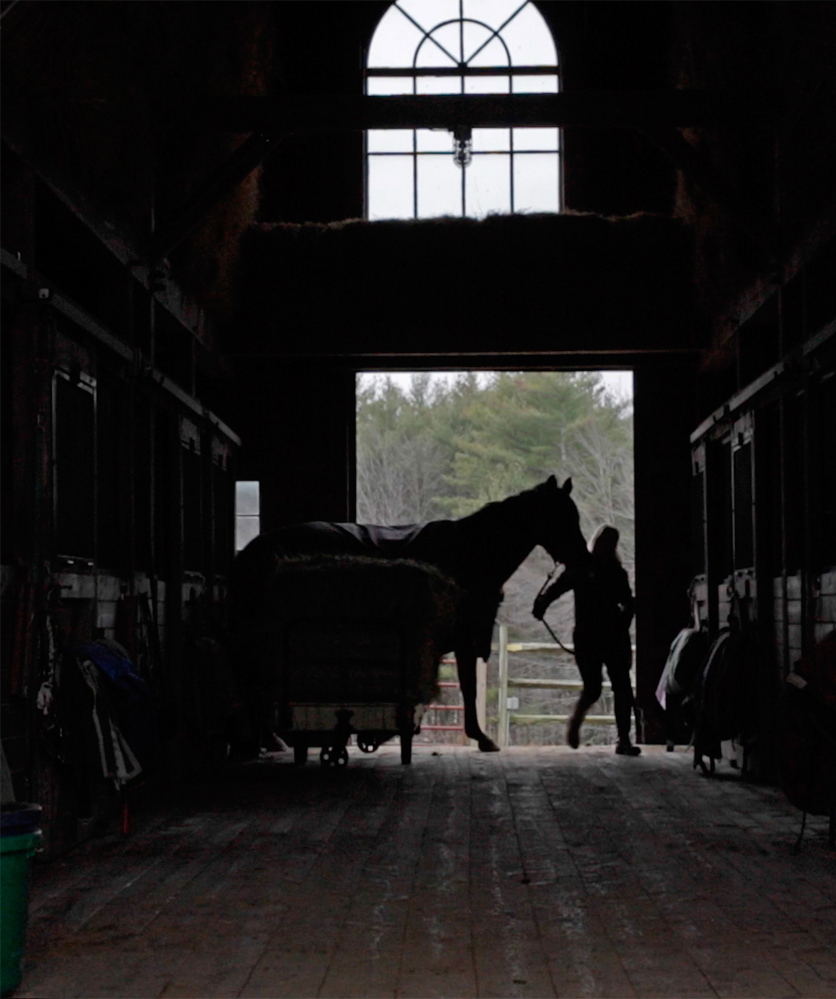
x=543 y=619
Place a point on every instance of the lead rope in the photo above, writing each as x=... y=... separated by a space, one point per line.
x=543 y=619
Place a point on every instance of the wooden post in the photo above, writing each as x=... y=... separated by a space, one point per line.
x=664 y=411
x=482 y=694
x=502 y=728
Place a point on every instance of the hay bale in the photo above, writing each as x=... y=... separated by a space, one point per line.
x=351 y=628
x=552 y=279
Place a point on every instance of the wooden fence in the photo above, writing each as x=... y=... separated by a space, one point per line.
x=450 y=717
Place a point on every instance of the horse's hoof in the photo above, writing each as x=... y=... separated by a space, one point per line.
x=487 y=745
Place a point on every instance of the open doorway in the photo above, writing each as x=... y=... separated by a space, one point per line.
x=440 y=445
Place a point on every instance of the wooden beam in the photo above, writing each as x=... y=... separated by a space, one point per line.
x=730 y=199
x=568 y=358
x=593 y=108
x=239 y=165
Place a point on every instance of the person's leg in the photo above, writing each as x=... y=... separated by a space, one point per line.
x=618 y=663
x=589 y=664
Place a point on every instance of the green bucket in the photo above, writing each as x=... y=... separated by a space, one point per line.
x=19 y=841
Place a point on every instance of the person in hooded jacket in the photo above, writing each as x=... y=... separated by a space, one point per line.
x=604 y=608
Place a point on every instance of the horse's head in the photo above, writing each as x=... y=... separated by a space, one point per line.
x=558 y=523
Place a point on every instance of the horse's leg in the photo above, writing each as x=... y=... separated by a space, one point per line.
x=466 y=666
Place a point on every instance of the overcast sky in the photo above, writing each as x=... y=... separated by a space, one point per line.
x=619 y=383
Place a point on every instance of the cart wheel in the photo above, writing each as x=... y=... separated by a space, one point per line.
x=406 y=748
x=300 y=755
x=333 y=756
x=367 y=744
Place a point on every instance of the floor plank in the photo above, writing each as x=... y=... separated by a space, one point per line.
x=528 y=873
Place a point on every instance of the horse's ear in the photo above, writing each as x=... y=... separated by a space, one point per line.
x=551 y=482
x=567 y=486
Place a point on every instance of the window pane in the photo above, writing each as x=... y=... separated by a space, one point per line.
x=536 y=182
x=441 y=48
x=438 y=85
x=246 y=498
x=429 y=13
x=492 y=12
x=246 y=528
x=390 y=187
x=488 y=185
x=390 y=140
x=535 y=84
x=535 y=138
x=487 y=85
x=491 y=140
x=439 y=186
x=387 y=85
x=492 y=54
x=435 y=140
x=394 y=40
x=529 y=39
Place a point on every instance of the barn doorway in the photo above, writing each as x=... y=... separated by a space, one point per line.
x=434 y=445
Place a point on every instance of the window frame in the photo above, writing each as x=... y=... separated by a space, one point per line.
x=463 y=72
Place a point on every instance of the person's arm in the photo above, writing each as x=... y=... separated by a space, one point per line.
x=565 y=582
x=626 y=601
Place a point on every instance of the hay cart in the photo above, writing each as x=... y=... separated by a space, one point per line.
x=349 y=647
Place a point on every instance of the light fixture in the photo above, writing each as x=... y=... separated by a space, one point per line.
x=462 y=145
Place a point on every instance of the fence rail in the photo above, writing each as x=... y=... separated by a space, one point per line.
x=481 y=705
x=454 y=726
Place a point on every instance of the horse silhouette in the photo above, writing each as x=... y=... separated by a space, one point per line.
x=478 y=552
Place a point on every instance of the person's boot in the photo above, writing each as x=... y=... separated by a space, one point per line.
x=573 y=729
x=626 y=748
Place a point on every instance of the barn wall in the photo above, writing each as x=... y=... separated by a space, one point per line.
x=298 y=424
x=763 y=469
x=613 y=46
x=764 y=203
x=320 y=50
x=119 y=462
x=117 y=504
x=763 y=215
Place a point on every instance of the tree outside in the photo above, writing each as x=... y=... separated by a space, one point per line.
x=435 y=449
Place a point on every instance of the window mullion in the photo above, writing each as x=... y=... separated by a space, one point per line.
x=548 y=70
x=511 y=171
x=414 y=153
x=462 y=166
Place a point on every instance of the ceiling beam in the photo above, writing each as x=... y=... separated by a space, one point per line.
x=240 y=164
x=592 y=109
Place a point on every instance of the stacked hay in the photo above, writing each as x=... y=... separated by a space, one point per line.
x=350 y=629
x=542 y=281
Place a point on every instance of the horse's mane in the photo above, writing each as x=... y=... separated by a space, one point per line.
x=496 y=509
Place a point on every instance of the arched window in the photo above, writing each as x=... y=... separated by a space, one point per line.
x=461 y=47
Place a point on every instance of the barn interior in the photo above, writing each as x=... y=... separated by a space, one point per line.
x=191 y=283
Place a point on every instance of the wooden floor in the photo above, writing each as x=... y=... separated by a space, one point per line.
x=531 y=872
